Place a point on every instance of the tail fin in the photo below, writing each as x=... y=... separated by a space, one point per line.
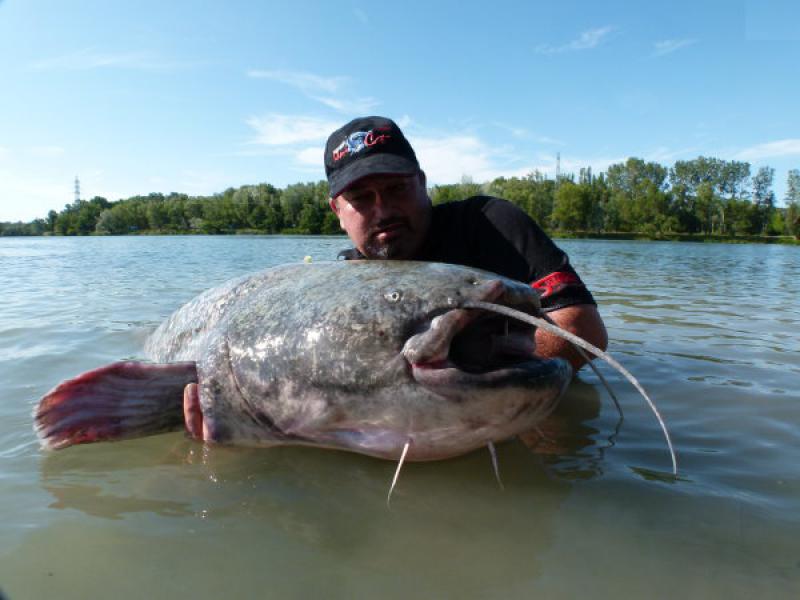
x=118 y=401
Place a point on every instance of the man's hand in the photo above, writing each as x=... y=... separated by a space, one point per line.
x=581 y=319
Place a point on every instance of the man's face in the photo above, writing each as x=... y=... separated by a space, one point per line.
x=386 y=216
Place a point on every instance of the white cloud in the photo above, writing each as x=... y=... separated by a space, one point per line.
x=668 y=46
x=352 y=106
x=200 y=183
x=543 y=139
x=517 y=132
x=404 y=122
x=776 y=149
x=524 y=134
x=285 y=130
x=306 y=82
x=47 y=151
x=24 y=198
x=4 y=152
x=585 y=41
x=311 y=157
x=333 y=92
x=662 y=154
x=89 y=58
x=447 y=159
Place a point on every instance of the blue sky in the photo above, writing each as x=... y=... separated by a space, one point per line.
x=140 y=97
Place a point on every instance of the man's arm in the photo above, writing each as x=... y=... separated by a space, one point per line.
x=581 y=319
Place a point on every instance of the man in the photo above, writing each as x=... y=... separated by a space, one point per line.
x=379 y=194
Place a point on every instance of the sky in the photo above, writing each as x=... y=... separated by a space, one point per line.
x=196 y=97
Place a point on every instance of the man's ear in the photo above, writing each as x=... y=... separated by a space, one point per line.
x=335 y=208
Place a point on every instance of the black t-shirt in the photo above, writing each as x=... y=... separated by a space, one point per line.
x=492 y=234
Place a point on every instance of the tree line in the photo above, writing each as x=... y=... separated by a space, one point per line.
x=262 y=208
x=704 y=196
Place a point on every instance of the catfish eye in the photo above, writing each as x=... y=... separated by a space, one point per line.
x=393 y=296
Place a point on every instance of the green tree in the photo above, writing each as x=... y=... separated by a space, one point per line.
x=742 y=217
x=637 y=197
x=111 y=222
x=263 y=195
x=274 y=221
x=763 y=196
x=533 y=193
x=573 y=207
x=792 y=200
x=312 y=217
x=157 y=214
x=330 y=224
x=629 y=177
x=175 y=205
x=52 y=217
x=707 y=206
x=440 y=194
x=792 y=220
x=793 y=187
x=732 y=179
x=293 y=199
x=35 y=227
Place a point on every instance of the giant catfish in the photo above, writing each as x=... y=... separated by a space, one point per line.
x=369 y=356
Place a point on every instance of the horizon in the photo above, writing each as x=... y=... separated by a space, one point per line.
x=160 y=99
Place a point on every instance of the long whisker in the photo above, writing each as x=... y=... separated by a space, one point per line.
x=397 y=473
x=596 y=372
x=555 y=330
x=493 y=453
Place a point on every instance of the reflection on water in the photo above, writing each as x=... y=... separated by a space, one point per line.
x=92 y=479
x=96 y=483
x=94 y=501
x=296 y=511
x=589 y=507
x=569 y=445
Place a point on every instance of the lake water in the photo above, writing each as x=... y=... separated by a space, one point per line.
x=710 y=330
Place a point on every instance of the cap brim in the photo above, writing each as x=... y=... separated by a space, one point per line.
x=377 y=164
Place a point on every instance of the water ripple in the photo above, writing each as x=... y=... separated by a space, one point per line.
x=721 y=359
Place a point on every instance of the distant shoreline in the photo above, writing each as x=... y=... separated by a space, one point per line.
x=701 y=200
x=681 y=237
x=621 y=236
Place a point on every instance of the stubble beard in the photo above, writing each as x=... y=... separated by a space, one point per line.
x=383 y=250
x=396 y=248
x=402 y=247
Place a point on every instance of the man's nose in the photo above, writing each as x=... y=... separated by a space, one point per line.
x=382 y=201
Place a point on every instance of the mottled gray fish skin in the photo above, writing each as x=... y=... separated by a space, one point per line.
x=328 y=354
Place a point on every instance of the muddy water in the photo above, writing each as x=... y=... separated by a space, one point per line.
x=588 y=506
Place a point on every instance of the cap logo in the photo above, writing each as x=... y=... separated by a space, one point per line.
x=357 y=141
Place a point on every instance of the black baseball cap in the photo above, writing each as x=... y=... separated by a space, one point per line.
x=367 y=146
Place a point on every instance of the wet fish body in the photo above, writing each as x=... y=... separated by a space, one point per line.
x=366 y=356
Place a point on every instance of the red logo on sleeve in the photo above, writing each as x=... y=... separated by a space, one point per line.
x=555 y=282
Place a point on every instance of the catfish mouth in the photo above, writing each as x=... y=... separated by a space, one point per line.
x=474 y=347
x=490 y=343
